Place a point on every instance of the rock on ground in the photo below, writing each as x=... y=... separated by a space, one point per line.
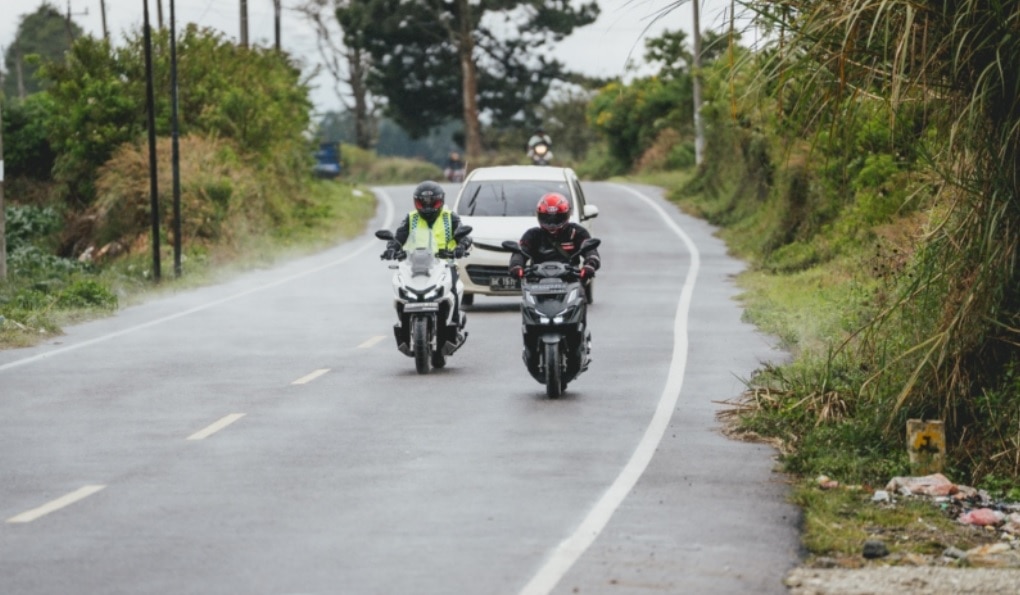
x=900 y=580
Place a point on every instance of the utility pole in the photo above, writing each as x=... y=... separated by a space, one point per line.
x=102 y=9
x=18 y=59
x=159 y=13
x=699 y=126
x=153 y=185
x=244 y=23
x=276 y=12
x=3 y=216
x=175 y=159
x=67 y=21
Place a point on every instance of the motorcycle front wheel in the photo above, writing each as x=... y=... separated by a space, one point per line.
x=553 y=371
x=420 y=344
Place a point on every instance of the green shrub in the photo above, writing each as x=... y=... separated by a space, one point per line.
x=86 y=293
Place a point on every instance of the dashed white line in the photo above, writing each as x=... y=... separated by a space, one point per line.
x=55 y=505
x=371 y=342
x=215 y=427
x=311 y=377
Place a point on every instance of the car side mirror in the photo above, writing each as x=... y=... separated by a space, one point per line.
x=590 y=212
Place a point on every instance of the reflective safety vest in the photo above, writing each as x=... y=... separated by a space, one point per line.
x=437 y=237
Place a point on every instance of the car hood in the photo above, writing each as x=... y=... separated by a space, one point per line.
x=493 y=231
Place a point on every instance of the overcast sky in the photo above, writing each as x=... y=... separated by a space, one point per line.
x=600 y=49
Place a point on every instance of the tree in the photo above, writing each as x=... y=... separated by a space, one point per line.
x=437 y=61
x=252 y=96
x=346 y=61
x=44 y=33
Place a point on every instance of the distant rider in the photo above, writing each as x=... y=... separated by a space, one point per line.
x=430 y=224
x=539 y=138
x=454 y=170
x=555 y=239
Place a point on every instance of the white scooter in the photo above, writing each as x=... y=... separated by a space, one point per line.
x=424 y=296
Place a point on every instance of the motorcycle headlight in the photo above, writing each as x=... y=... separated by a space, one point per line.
x=435 y=293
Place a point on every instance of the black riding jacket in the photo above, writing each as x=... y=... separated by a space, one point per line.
x=562 y=247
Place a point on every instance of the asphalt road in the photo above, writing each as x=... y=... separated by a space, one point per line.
x=263 y=435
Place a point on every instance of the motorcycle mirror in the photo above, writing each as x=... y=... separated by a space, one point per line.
x=590 y=244
x=462 y=232
x=384 y=234
x=511 y=245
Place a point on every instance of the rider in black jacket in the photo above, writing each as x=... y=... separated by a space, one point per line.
x=555 y=239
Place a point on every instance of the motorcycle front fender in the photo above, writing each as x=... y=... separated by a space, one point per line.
x=550 y=338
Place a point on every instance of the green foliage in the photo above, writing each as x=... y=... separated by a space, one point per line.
x=417 y=49
x=28 y=223
x=252 y=96
x=365 y=167
x=27 y=151
x=86 y=293
x=41 y=36
x=630 y=117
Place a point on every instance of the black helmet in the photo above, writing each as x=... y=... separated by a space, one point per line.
x=428 y=199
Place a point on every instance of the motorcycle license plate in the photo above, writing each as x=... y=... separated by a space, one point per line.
x=504 y=284
x=421 y=307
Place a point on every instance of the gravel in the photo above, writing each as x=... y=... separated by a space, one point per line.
x=902 y=580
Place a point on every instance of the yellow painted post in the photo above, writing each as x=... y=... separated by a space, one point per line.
x=926 y=446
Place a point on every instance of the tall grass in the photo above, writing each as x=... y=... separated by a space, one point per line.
x=949 y=336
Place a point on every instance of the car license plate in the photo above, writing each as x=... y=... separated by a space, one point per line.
x=504 y=284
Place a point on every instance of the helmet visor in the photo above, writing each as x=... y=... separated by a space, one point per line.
x=553 y=221
x=428 y=204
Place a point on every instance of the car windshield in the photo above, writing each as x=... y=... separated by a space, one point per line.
x=506 y=198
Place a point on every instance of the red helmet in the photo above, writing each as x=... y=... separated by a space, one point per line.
x=553 y=212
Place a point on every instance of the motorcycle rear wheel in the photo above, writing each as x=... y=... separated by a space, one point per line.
x=553 y=371
x=420 y=343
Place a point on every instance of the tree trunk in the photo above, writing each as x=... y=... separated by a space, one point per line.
x=472 y=127
x=363 y=128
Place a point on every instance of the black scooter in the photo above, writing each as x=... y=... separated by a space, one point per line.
x=554 y=311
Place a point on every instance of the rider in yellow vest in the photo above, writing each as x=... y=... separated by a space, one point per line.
x=430 y=224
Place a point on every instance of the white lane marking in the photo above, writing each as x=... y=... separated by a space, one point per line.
x=216 y=427
x=574 y=546
x=388 y=219
x=55 y=505
x=311 y=377
x=371 y=342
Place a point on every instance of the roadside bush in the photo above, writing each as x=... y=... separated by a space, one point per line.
x=86 y=293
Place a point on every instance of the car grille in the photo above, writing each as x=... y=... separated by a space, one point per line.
x=481 y=274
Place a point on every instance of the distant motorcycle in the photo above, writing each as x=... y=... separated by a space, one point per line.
x=454 y=175
x=557 y=342
x=541 y=154
x=424 y=295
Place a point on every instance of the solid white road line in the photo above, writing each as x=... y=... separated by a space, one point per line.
x=55 y=505
x=574 y=546
x=216 y=427
x=311 y=377
x=387 y=204
x=371 y=342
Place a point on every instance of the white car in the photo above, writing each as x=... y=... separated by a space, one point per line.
x=499 y=204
